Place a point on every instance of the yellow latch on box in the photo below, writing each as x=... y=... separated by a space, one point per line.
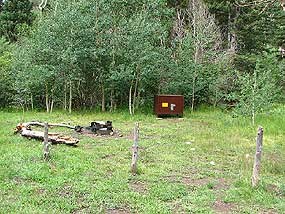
x=164 y=105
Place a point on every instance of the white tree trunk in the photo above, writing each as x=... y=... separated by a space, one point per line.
x=70 y=96
x=253 y=109
x=103 y=99
x=135 y=95
x=42 y=5
x=65 y=96
x=47 y=100
x=130 y=99
x=32 y=102
x=232 y=23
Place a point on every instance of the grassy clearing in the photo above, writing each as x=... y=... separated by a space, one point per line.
x=199 y=164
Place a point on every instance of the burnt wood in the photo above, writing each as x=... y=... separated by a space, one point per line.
x=97 y=127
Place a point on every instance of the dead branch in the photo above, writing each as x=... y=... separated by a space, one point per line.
x=36 y=123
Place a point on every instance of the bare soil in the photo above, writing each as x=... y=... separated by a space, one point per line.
x=222 y=207
x=138 y=186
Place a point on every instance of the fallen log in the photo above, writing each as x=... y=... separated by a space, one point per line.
x=25 y=130
x=36 y=123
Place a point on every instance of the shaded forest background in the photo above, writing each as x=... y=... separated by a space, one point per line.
x=103 y=54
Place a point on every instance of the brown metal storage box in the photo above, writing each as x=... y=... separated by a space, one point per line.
x=169 y=105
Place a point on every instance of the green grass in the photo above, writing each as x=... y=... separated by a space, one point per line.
x=199 y=164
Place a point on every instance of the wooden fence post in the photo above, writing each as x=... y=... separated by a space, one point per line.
x=257 y=159
x=135 y=149
x=46 y=143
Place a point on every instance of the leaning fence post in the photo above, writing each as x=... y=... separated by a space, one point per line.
x=46 y=143
x=257 y=159
x=135 y=149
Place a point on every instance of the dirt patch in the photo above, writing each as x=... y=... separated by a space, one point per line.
x=171 y=178
x=118 y=211
x=177 y=208
x=174 y=119
x=109 y=173
x=218 y=185
x=108 y=156
x=201 y=123
x=35 y=159
x=18 y=180
x=269 y=211
x=116 y=134
x=222 y=207
x=274 y=189
x=222 y=184
x=195 y=182
x=52 y=167
x=22 y=181
x=82 y=210
x=88 y=146
x=148 y=137
x=138 y=186
x=66 y=191
x=41 y=191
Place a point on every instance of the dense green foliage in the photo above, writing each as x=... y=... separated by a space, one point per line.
x=260 y=88
x=101 y=54
x=6 y=77
x=15 y=16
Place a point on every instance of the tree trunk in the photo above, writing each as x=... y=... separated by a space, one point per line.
x=135 y=94
x=103 y=99
x=130 y=99
x=216 y=98
x=196 y=58
x=257 y=159
x=253 y=115
x=51 y=105
x=254 y=98
x=32 y=102
x=112 y=100
x=51 y=102
x=47 y=100
x=138 y=99
x=70 y=96
x=25 y=104
x=232 y=25
x=65 y=96
x=193 y=93
x=282 y=4
x=42 y=5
